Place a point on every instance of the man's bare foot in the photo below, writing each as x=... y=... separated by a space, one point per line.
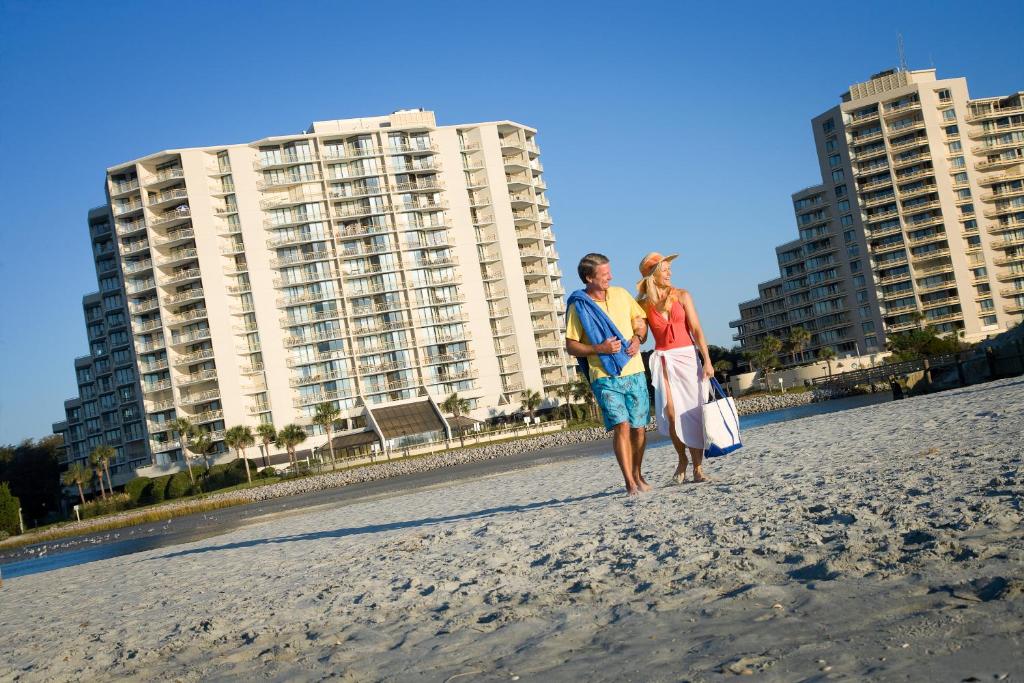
x=642 y=484
x=632 y=491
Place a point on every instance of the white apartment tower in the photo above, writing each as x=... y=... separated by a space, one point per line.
x=919 y=220
x=380 y=264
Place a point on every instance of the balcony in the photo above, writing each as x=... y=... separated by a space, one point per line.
x=304 y=380
x=878 y=200
x=923 y=173
x=902 y=108
x=174 y=237
x=144 y=306
x=978 y=114
x=932 y=269
x=286 y=179
x=191 y=399
x=882 y=232
x=343 y=153
x=910 y=160
x=206 y=417
x=865 y=138
x=172 y=217
x=305 y=298
x=882 y=216
x=154 y=387
x=123 y=187
x=284 y=160
x=190 y=337
x=181 y=276
x=897 y=310
x=133 y=267
x=998 y=163
x=125 y=228
x=186 y=317
x=197 y=377
x=148 y=326
x=182 y=297
x=1002 y=194
x=193 y=357
x=139 y=286
x=945 y=318
x=948 y=284
x=1002 y=177
x=167 y=196
x=935 y=253
x=145 y=368
x=919 y=190
x=1009 y=260
x=928 y=239
x=321 y=397
x=935 y=303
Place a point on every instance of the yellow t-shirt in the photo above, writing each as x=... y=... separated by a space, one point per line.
x=622 y=308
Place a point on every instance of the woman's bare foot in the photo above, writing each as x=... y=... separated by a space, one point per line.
x=643 y=486
x=698 y=475
x=632 y=491
x=679 y=477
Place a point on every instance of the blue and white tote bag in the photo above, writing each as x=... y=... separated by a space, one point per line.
x=721 y=423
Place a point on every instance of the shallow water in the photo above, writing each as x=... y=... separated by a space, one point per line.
x=69 y=552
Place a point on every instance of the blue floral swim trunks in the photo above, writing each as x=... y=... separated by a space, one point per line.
x=623 y=399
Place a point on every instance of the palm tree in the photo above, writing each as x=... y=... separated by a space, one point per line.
x=565 y=394
x=827 y=354
x=798 y=338
x=239 y=438
x=531 y=401
x=326 y=415
x=288 y=438
x=104 y=454
x=723 y=366
x=97 y=469
x=767 y=358
x=77 y=475
x=581 y=391
x=185 y=430
x=456 y=405
x=268 y=435
x=200 y=444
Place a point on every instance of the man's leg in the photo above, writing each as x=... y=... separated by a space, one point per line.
x=624 y=454
x=638 y=441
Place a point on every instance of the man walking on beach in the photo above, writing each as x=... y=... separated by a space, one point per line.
x=604 y=329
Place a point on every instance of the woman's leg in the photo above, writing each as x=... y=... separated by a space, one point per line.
x=670 y=415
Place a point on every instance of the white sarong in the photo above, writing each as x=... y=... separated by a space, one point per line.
x=685 y=378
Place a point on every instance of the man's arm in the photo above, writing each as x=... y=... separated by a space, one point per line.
x=581 y=350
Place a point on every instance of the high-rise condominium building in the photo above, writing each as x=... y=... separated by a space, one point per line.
x=108 y=409
x=378 y=264
x=919 y=220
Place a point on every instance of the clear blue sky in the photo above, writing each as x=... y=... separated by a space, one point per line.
x=663 y=126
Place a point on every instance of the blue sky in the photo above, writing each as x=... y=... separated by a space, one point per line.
x=663 y=126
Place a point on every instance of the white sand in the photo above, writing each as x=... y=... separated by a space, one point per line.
x=881 y=543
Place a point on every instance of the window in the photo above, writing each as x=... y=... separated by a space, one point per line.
x=855 y=265
x=109 y=284
x=964 y=193
x=862 y=296
x=828 y=126
x=949 y=115
x=967 y=210
x=986 y=305
x=838 y=176
x=958 y=162
x=973 y=242
x=868 y=327
x=844 y=205
x=830 y=145
x=980 y=272
x=944 y=95
x=834 y=160
x=971 y=224
x=988 y=320
x=840 y=190
x=848 y=236
x=960 y=178
x=852 y=251
x=858 y=280
x=846 y=221
x=952 y=130
x=955 y=147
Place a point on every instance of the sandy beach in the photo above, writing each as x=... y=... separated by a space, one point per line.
x=882 y=543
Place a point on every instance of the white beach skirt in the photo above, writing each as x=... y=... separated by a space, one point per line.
x=685 y=378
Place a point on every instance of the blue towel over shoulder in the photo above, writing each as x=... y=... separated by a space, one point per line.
x=597 y=326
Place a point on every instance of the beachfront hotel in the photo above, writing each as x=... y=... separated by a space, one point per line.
x=380 y=264
x=919 y=220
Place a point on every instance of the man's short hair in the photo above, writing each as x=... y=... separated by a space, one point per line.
x=588 y=265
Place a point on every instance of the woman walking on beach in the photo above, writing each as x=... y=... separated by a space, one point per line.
x=680 y=364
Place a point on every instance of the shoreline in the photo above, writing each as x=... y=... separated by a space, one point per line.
x=214 y=501
x=886 y=545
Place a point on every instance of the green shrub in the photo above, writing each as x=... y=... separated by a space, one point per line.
x=267 y=472
x=179 y=485
x=135 y=488
x=156 y=491
x=9 y=506
x=95 y=508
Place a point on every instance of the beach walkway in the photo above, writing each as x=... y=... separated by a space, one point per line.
x=879 y=543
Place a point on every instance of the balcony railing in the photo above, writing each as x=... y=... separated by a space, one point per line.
x=181 y=297
x=167 y=196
